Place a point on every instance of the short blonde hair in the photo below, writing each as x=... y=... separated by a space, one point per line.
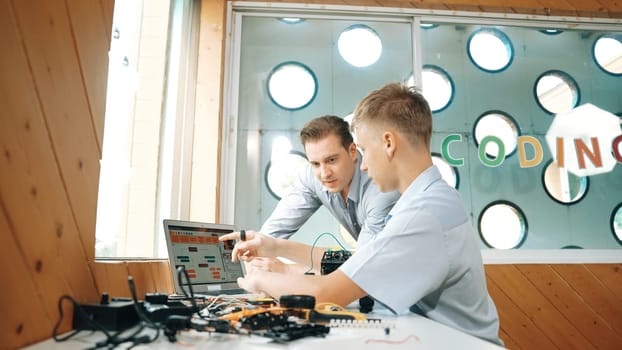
x=397 y=106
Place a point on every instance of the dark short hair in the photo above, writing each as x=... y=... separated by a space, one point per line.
x=320 y=127
x=398 y=106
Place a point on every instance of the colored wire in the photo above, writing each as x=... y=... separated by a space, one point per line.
x=315 y=242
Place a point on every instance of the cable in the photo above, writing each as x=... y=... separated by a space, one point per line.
x=182 y=271
x=141 y=315
x=82 y=313
x=315 y=242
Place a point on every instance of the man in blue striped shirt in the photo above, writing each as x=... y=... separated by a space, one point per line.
x=333 y=179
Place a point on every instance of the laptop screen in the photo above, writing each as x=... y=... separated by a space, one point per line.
x=196 y=247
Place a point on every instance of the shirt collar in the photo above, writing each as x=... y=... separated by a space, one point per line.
x=419 y=185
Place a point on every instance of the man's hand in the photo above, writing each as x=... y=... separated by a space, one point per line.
x=255 y=245
x=252 y=282
x=268 y=264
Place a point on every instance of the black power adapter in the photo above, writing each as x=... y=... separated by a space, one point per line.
x=111 y=315
x=116 y=316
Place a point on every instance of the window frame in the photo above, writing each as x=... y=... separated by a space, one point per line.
x=235 y=13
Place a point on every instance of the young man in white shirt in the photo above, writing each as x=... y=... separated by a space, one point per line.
x=427 y=258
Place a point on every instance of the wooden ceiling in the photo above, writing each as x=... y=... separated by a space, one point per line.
x=565 y=8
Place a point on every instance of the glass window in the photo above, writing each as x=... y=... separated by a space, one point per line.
x=428 y=25
x=281 y=173
x=563 y=186
x=137 y=163
x=292 y=85
x=490 y=49
x=448 y=172
x=502 y=225
x=616 y=223
x=359 y=45
x=607 y=53
x=291 y=20
x=556 y=92
x=498 y=124
x=471 y=92
x=551 y=31
x=438 y=88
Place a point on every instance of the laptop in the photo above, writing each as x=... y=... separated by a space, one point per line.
x=195 y=246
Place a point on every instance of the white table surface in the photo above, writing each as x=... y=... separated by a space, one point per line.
x=405 y=332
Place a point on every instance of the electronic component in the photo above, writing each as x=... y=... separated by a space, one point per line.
x=112 y=316
x=293 y=331
x=264 y=320
x=332 y=259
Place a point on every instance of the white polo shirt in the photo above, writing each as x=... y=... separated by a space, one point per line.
x=427 y=260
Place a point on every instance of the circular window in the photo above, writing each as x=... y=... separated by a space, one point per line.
x=438 y=88
x=448 y=172
x=359 y=45
x=616 y=223
x=291 y=20
x=563 y=186
x=281 y=174
x=292 y=85
x=556 y=92
x=550 y=31
x=499 y=125
x=607 y=52
x=502 y=225
x=428 y=25
x=490 y=49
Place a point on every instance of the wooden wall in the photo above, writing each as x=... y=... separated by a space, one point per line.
x=53 y=69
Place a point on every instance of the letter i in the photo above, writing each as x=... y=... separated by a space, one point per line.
x=560 y=152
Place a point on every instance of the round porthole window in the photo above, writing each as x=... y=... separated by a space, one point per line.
x=291 y=20
x=428 y=25
x=281 y=174
x=359 y=45
x=490 y=49
x=556 y=92
x=501 y=126
x=551 y=31
x=563 y=186
x=292 y=85
x=502 y=225
x=607 y=53
x=616 y=223
x=448 y=172
x=438 y=88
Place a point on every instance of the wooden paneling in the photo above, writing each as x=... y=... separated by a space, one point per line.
x=149 y=277
x=40 y=218
x=594 y=294
x=560 y=293
x=50 y=49
x=518 y=330
x=49 y=162
x=90 y=30
x=18 y=326
x=556 y=306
